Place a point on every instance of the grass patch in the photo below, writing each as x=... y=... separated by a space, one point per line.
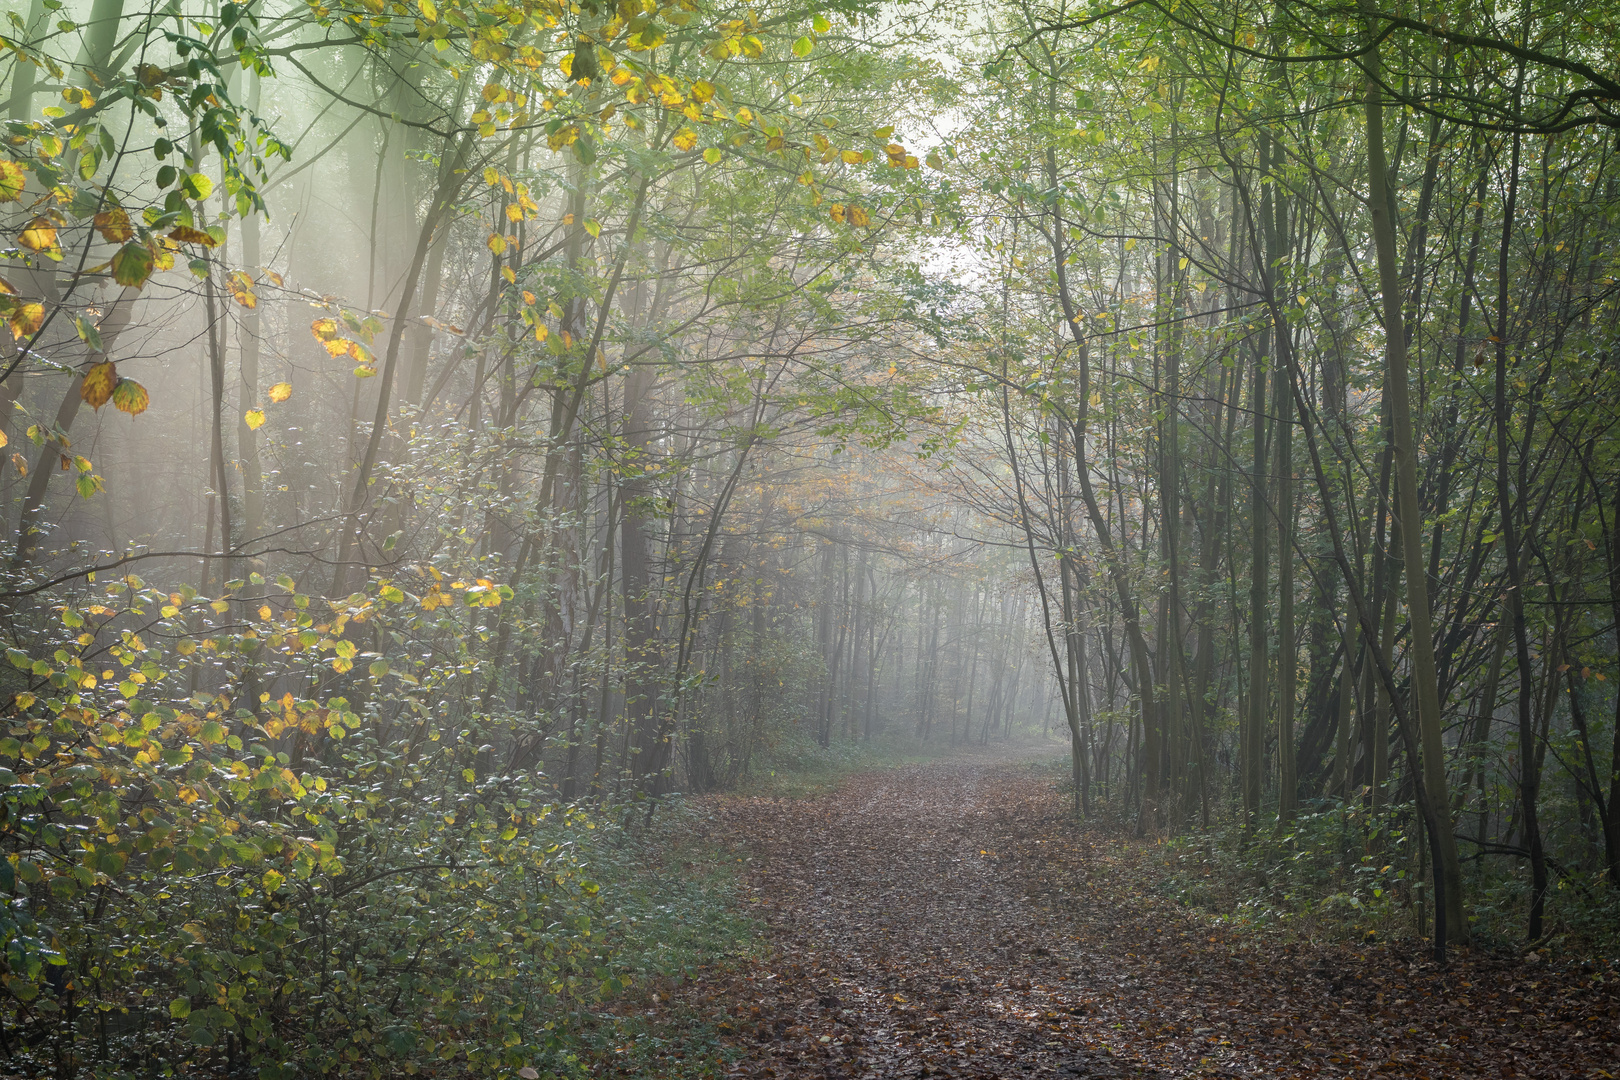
x=798 y=768
x=672 y=915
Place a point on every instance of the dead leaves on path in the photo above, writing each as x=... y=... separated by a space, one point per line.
x=951 y=920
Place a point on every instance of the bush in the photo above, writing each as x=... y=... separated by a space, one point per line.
x=270 y=874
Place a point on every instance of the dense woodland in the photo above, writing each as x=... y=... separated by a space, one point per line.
x=438 y=433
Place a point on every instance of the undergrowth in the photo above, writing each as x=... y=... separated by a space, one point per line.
x=1331 y=874
x=672 y=915
x=1350 y=874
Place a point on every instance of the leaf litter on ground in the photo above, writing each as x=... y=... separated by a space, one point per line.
x=954 y=920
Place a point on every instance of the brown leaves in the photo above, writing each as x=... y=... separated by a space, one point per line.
x=954 y=920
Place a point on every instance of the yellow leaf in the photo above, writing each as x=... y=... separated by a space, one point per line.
x=98 y=384
x=858 y=216
x=685 y=139
x=851 y=157
x=38 y=235
x=497 y=243
x=281 y=392
x=113 y=225
x=514 y=213
x=837 y=212
x=6 y=288
x=323 y=329
x=337 y=347
x=130 y=397
x=429 y=12
x=12 y=180
x=712 y=155
x=703 y=90
x=593 y=227
x=26 y=319
x=241 y=288
x=254 y=419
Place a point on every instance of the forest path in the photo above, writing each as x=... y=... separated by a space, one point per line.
x=950 y=920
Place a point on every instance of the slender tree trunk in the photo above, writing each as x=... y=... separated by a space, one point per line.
x=1450 y=920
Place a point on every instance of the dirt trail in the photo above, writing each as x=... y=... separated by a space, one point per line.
x=950 y=920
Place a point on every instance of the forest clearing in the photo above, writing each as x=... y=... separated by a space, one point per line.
x=477 y=473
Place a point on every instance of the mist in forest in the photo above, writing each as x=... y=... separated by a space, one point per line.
x=437 y=434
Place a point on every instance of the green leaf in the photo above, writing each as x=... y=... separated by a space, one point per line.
x=802 y=47
x=88 y=333
x=712 y=155
x=132 y=264
x=198 y=186
x=821 y=24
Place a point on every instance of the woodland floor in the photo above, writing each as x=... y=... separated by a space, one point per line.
x=952 y=920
